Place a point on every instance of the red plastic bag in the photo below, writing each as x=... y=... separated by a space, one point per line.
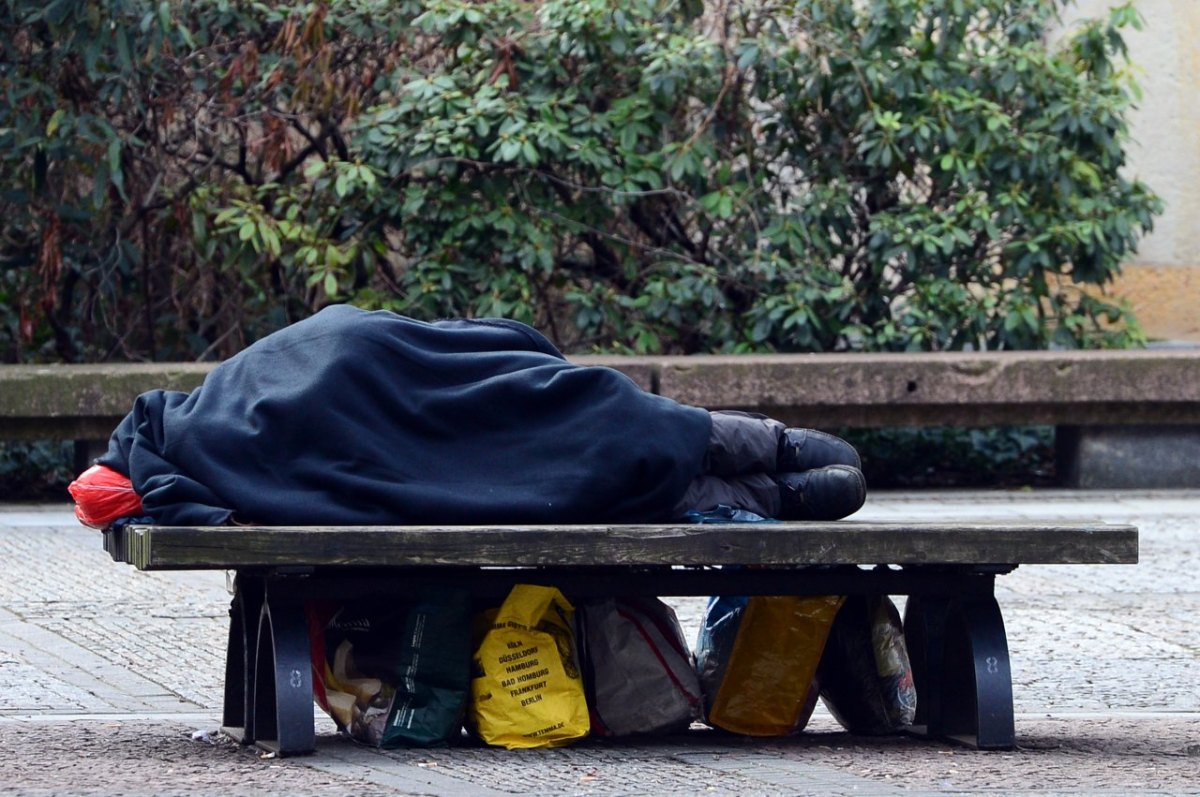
x=102 y=495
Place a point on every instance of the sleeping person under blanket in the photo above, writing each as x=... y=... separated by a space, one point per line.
x=353 y=417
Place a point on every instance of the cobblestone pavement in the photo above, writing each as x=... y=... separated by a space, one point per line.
x=111 y=679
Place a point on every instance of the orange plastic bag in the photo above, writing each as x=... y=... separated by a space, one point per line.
x=102 y=495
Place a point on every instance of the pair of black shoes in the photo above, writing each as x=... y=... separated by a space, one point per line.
x=819 y=476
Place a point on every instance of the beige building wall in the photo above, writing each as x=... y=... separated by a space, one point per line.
x=1162 y=281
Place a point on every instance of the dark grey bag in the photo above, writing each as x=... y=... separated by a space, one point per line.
x=638 y=672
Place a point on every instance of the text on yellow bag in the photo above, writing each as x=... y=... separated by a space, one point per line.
x=526 y=689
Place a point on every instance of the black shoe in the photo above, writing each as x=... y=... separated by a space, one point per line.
x=806 y=449
x=828 y=493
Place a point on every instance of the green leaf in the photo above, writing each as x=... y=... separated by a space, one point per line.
x=114 y=166
x=725 y=206
x=529 y=152
x=509 y=150
x=55 y=120
x=678 y=167
x=199 y=228
x=123 y=56
x=270 y=238
x=333 y=257
x=226 y=215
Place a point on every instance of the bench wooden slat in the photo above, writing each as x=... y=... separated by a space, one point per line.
x=780 y=544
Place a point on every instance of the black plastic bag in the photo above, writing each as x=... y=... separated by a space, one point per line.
x=865 y=676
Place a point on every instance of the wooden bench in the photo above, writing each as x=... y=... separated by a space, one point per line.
x=1102 y=402
x=953 y=625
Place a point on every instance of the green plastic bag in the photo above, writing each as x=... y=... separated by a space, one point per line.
x=394 y=677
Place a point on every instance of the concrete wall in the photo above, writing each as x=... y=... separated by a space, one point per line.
x=1163 y=279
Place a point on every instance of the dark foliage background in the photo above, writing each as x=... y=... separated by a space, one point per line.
x=178 y=178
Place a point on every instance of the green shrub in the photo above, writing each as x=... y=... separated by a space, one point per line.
x=36 y=471
x=940 y=456
x=643 y=176
x=152 y=158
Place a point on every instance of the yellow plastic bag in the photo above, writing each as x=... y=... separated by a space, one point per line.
x=763 y=683
x=526 y=690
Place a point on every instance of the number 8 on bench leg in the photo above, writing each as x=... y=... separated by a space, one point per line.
x=978 y=690
x=961 y=668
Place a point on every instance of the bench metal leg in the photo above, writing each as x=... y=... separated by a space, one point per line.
x=283 y=691
x=959 y=654
x=977 y=691
x=244 y=610
x=925 y=638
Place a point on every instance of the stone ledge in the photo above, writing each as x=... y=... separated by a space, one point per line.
x=80 y=401
x=1128 y=457
x=1120 y=388
x=969 y=389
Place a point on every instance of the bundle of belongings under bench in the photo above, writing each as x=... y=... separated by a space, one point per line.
x=539 y=672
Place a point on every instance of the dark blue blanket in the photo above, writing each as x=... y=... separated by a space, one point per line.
x=352 y=417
